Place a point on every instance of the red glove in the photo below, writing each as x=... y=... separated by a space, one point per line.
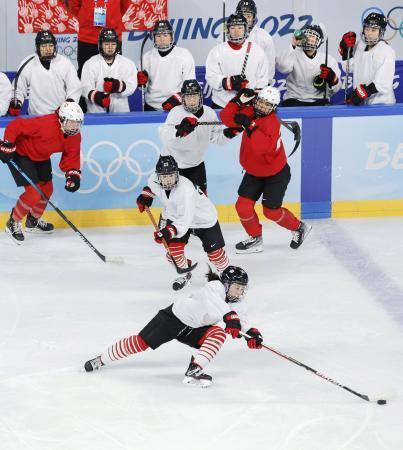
x=167 y=233
x=360 y=93
x=145 y=198
x=15 y=108
x=7 y=151
x=328 y=74
x=255 y=340
x=187 y=125
x=142 y=78
x=232 y=324
x=100 y=98
x=171 y=102
x=246 y=122
x=113 y=86
x=73 y=177
x=347 y=44
x=235 y=83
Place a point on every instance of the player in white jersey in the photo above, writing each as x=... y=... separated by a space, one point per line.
x=186 y=210
x=373 y=62
x=187 y=142
x=5 y=93
x=257 y=35
x=235 y=64
x=50 y=79
x=108 y=78
x=193 y=321
x=308 y=73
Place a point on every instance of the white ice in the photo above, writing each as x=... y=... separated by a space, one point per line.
x=336 y=305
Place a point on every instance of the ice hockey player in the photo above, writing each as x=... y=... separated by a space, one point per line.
x=308 y=74
x=258 y=35
x=373 y=63
x=187 y=142
x=193 y=321
x=263 y=157
x=186 y=210
x=50 y=78
x=235 y=64
x=108 y=78
x=5 y=94
x=30 y=144
x=165 y=68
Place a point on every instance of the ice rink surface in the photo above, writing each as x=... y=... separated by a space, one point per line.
x=336 y=305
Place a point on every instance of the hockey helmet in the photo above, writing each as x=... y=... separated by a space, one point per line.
x=313 y=37
x=374 y=21
x=235 y=281
x=43 y=38
x=266 y=101
x=236 y=20
x=108 y=35
x=167 y=172
x=246 y=8
x=163 y=28
x=71 y=117
x=192 y=98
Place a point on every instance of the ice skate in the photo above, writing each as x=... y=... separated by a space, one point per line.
x=194 y=376
x=299 y=235
x=38 y=226
x=181 y=282
x=93 y=364
x=14 y=230
x=250 y=245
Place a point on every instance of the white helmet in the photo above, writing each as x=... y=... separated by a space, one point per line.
x=266 y=101
x=71 y=117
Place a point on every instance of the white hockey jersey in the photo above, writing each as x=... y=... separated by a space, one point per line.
x=186 y=206
x=92 y=78
x=223 y=61
x=167 y=74
x=189 y=151
x=301 y=70
x=262 y=38
x=207 y=306
x=48 y=89
x=377 y=66
x=5 y=93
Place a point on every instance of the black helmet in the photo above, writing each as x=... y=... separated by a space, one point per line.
x=234 y=275
x=374 y=20
x=167 y=165
x=312 y=31
x=191 y=87
x=163 y=27
x=45 y=37
x=233 y=20
x=108 y=35
x=247 y=6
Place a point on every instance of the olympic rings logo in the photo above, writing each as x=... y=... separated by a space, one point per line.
x=394 y=18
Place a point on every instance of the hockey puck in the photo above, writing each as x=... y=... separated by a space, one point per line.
x=381 y=402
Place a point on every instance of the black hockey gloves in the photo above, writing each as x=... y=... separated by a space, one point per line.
x=73 y=177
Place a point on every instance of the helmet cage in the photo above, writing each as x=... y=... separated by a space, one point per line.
x=240 y=290
x=237 y=20
x=374 y=21
x=163 y=27
x=191 y=88
x=313 y=38
x=167 y=172
x=42 y=38
x=108 y=35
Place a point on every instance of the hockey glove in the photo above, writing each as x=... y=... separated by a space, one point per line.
x=234 y=83
x=328 y=74
x=246 y=122
x=186 y=127
x=255 y=340
x=101 y=99
x=113 y=86
x=15 y=108
x=244 y=97
x=7 y=151
x=171 y=102
x=361 y=93
x=231 y=132
x=142 y=78
x=73 y=177
x=347 y=44
x=167 y=233
x=232 y=324
x=145 y=198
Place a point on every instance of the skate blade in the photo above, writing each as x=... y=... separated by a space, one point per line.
x=309 y=228
x=38 y=232
x=11 y=237
x=258 y=249
x=189 y=381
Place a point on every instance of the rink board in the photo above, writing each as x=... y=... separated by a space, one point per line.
x=349 y=164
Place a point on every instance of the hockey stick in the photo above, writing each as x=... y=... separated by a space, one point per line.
x=178 y=269
x=223 y=21
x=245 y=61
x=321 y=375
x=326 y=58
x=347 y=75
x=141 y=67
x=17 y=76
x=113 y=259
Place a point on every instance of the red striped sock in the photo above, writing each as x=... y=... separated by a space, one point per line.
x=38 y=209
x=177 y=250
x=211 y=343
x=219 y=258
x=123 y=348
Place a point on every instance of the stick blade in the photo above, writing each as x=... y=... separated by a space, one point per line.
x=186 y=269
x=114 y=259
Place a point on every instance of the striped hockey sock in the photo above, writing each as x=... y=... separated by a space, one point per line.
x=211 y=343
x=177 y=250
x=219 y=258
x=123 y=348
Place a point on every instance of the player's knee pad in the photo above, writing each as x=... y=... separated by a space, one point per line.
x=245 y=207
x=274 y=214
x=214 y=332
